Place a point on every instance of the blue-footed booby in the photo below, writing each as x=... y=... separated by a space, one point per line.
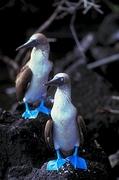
x=29 y=82
x=64 y=131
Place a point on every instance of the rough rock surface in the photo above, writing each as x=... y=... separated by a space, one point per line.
x=26 y=154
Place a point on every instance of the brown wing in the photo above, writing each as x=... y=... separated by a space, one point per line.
x=82 y=129
x=49 y=134
x=22 y=81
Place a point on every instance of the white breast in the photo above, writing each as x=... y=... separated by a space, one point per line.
x=65 y=130
x=41 y=67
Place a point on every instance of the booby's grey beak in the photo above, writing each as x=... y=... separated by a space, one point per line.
x=29 y=43
x=55 y=82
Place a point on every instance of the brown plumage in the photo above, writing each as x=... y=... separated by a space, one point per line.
x=21 y=86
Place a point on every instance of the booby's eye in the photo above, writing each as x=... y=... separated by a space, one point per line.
x=62 y=79
x=35 y=42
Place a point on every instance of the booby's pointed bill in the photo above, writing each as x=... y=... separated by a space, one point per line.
x=29 y=43
x=55 y=81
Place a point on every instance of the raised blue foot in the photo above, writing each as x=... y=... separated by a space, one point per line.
x=77 y=162
x=57 y=163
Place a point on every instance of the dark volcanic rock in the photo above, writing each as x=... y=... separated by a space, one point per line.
x=67 y=172
x=25 y=152
x=21 y=142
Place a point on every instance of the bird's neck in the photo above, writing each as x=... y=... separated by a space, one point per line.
x=38 y=59
x=63 y=111
x=39 y=55
x=45 y=49
x=63 y=94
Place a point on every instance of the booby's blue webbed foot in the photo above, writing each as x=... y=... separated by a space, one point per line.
x=42 y=108
x=77 y=162
x=57 y=163
x=29 y=114
x=32 y=114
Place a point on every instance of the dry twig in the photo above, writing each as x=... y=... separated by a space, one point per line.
x=63 y=8
x=103 y=61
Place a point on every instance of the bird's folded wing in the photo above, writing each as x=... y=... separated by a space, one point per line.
x=82 y=129
x=49 y=133
x=22 y=82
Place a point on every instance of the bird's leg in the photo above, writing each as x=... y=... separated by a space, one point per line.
x=42 y=108
x=57 y=163
x=77 y=162
x=32 y=114
x=29 y=114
